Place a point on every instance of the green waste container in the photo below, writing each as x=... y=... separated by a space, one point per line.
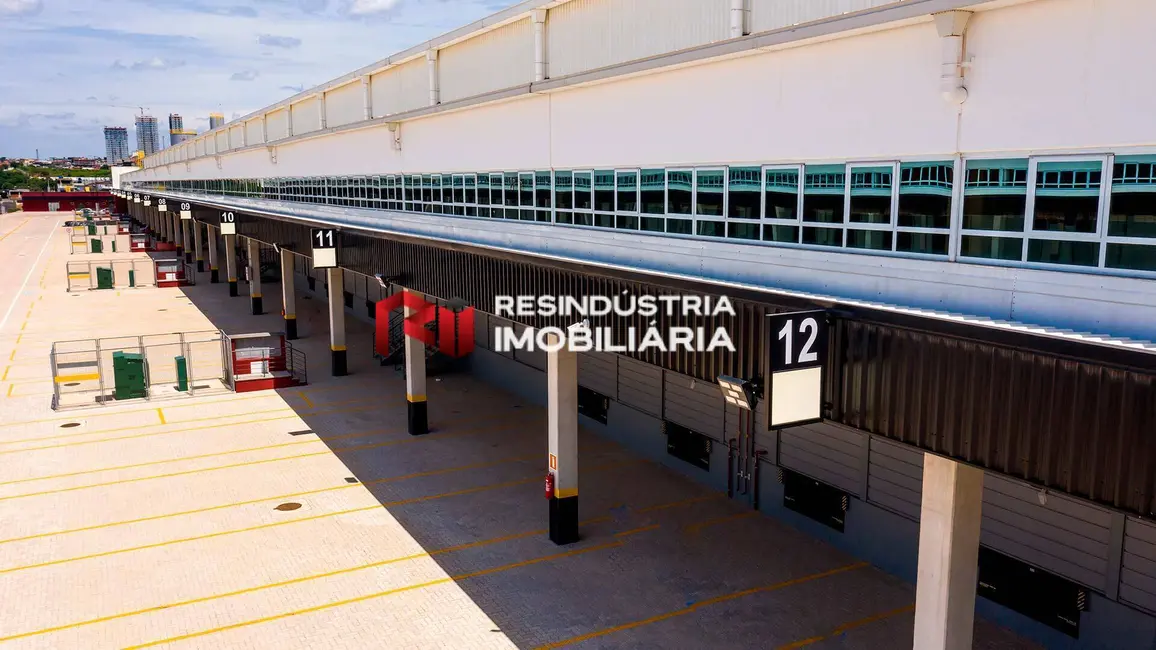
x=97 y=246
x=114 y=245
x=91 y=229
x=131 y=278
x=129 y=375
x=103 y=278
x=182 y=374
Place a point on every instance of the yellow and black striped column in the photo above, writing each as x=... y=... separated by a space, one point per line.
x=562 y=426
x=231 y=263
x=187 y=239
x=417 y=411
x=288 y=295
x=255 y=276
x=214 y=275
x=198 y=246
x=337 y=321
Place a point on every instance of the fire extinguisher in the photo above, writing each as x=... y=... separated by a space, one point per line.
x=549 y=485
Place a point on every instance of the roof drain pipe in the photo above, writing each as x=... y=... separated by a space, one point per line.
x=539 y=18
x=431 y=60
x=951 y=26
x=740 y=18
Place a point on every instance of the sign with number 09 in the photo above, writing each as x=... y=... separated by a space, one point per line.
x=797 y=355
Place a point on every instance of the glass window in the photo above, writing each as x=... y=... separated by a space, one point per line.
x=564 y=190
x=879 y=240
x=526 y=195
x=543 y=193
x=459 y=189
x=680 y=192
x=427 y=182
x=626 y=222
x=1055 y=251
x=823 y=236
x=709 y=196
x=995 y=195
x=739 y=230
x=870 y=197
x=411 y=188
x=628 y=192
x=925 y=195
x=496 y=191
x=744 y=200
x=583 y=192
x=1133 y=257
x=653 y=193
x=652 y=224
x=604 y=191
x=1133 y=204
x=992 y=248
x=712 y=228
x=778 y=233
x=823 y=196
x=781 y=194
x=1067 y=196
x=483 y=181
x=921 y=242
x=471 y=195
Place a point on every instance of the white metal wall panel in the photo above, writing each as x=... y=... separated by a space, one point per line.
x=200 y=146
x=533 y=358
x=640 y=385
x=305 y=116
x=1068 y=537
x=598 y=371
x=253 y=134
x=1138 y=575
x=826 y=452
x=589 y=34
x=237 y=135
x=767 y=15
x=278 y=124
x=693 y=403
x=402 y=88
x=343 y=105
x=221 y=140
x=211 y=145
x=500 y=58
x=895 y=477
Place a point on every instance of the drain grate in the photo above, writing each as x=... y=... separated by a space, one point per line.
x=350 y=479
x=285 y=507
x=162 y=310
x=301 y=433
x=69 y=425
x=73 y=383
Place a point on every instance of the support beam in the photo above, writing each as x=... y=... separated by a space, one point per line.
x=288 y=295
x=948 y=554
x=417 y=411
x=255 y=276
x=231 y=263
x=562 y=427
x=214 y=274
x=198 y=246
x=337 y=321
x=174 y=220
x=187 y=237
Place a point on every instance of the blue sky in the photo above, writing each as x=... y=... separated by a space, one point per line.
x=72 y=67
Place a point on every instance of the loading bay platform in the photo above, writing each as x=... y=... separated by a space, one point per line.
x=309 y=518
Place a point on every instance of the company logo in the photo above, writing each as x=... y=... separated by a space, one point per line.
x=449 y=331
x=582 y=337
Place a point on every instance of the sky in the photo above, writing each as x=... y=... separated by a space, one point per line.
x=72 y=67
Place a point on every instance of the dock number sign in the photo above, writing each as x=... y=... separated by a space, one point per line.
x=162 y=205
x=797 y=343
x=325 y=242
x=186 y=211
x=228 y=223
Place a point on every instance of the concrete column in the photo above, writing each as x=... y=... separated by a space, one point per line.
x=198 y=247
x=562 y=427
x=255 y=276
x=175 y=224
x=288 y=296
x=214 y=274
x=337 y=321
x=415 y=397
x=186 y=237
x=231 y=263
x=948 y=554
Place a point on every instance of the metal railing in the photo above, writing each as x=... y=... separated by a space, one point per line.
x=295 y=364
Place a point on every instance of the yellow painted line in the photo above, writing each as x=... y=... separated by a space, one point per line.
x=10 y=387
x=703 y=603
x=683 y=502
x=634 y=531
x=694 y=528
x=75 y=276
x=846 y=627
x=381 y=594
x=64 y=379
x=161 y=415
x=305 y=398
x=12 y=357
x=5 y=377
x=18 y=337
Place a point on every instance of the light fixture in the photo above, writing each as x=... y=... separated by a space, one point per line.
x=740 y=392
x=384 y=281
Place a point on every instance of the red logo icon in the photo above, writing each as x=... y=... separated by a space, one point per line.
x=452 y=335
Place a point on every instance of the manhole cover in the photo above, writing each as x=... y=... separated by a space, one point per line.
x=73 y=383
x=69 y=425
x=284 y=507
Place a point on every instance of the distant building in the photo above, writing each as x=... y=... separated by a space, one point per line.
x=147 y=138
x=115 y=144
x=177 y=132
x=215 y=120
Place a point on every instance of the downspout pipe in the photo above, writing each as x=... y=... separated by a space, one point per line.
x=951 y=26
x=739 y=18
x=539 y=18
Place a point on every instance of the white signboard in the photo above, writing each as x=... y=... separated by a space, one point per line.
x=228 y=223
x=798 y=354
x=162 y=205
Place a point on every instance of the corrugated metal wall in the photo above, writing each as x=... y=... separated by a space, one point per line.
x=640 y=386
x=767 y=15
x=344 y=105
x=829 y=453
x=501 y=58
x=277 y=124
x=211 y=145
x=200 y=146
x=589 y=34
x=1138 y=576
x=306 y=117
x=221 y=141
x=895 y=477
x=237 y=134
x=253 y=134
x=401 y=88
x=598 y=371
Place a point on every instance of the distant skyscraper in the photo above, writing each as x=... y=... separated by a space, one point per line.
x=177 y=133
x=116 y=145
x=215 y=120
x=147 y=138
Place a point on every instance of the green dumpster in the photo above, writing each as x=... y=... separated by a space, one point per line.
x=131 y=278
x=103 y=278
x=91 y=229
x=97 y=246
x=129 y=375
x=182 y=374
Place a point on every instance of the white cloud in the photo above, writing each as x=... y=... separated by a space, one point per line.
x=278 y=41
x=368 y=7
x=154 y=63
x=21 y=7
x=244 y=75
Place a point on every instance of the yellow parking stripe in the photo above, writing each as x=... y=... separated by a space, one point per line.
x=64 y=379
